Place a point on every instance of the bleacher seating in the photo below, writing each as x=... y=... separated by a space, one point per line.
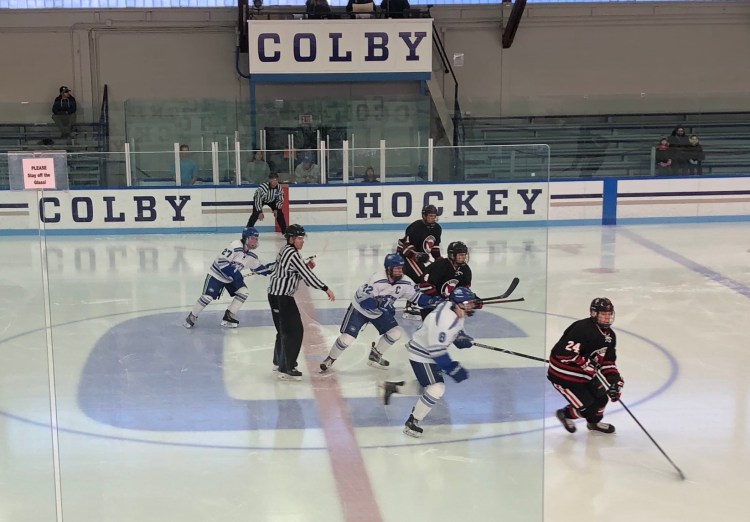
x=84 y=150
x=611 y=145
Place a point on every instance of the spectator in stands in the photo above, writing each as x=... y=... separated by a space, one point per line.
x=257 y=169
x=369 y=176
x=360 y=6
x=317 y=9
x=695 y=156
x=678 y=144
x=64 y=112
x=663 y=158
x=394 y=8
x=188 y=167
x=307 y=171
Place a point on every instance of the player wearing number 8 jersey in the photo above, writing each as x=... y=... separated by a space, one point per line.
x=587 y=346
x=429 y=359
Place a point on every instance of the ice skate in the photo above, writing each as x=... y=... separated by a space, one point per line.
x=567 y=423
x=190 y=321
x=386 y=389
x=411 y=427
x=601 y=426
x=326 y=364
x=291 y=375
x=229 y=320
x=375 y=359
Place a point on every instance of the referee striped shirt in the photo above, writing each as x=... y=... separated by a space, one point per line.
x=290 y=268
x=265 y=195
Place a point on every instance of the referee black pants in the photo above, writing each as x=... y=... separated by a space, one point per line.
x=279 y=217
x=289 y=330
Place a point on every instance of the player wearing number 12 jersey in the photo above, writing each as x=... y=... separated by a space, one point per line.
x=374 y=303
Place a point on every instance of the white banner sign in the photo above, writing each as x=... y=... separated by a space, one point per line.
x=380 y=46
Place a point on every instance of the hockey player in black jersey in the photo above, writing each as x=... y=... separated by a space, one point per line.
x=585 y=348
x=420 y=243
x=446 y=274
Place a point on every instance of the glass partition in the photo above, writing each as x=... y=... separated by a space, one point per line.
x=28 y=442
x=110 y=405
x=582 y=146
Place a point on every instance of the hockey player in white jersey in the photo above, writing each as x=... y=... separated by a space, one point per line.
x=428 y=355
x=228 y=271
x=374 y=303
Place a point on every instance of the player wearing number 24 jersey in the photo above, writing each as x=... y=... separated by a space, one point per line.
x=580 y=361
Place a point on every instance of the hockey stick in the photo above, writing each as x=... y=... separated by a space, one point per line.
x=501 y=301
x=607 y=385
x=511 y=288
x=510 y=352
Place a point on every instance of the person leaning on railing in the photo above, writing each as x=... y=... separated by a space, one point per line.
x=663 y=158
x=695 y=156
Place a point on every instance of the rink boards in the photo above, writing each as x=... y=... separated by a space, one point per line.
x=377 y=207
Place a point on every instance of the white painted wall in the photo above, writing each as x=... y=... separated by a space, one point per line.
x=593 y=58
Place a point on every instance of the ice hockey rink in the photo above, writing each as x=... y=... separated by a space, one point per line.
x=158 y=423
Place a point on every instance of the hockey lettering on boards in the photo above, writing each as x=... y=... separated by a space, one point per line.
x=528 y=203
x=119 y=210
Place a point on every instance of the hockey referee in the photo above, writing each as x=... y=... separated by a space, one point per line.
x=268 y=193
x=290 y=268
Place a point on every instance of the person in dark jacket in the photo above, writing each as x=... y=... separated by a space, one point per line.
x=394 y=8
x=678 y=144
x=317 y=8
x=663 y=158
x=64 y=112
x=695 y=156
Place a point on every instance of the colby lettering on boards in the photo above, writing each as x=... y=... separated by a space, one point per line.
x=134 y=209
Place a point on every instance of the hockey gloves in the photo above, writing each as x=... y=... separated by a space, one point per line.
x=387 y=310
x=588 y=366
x=421 y=257
x=615 y=390
x=457 y=371
x=463 y=340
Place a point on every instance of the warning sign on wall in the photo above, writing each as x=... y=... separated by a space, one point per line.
x=38 y=173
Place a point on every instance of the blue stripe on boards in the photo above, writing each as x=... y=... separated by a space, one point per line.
x=609 y=203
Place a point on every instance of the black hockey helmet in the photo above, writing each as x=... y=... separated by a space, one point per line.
x=455 y=248
x=295 y=231
x=602 y=305
x=429 y=210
